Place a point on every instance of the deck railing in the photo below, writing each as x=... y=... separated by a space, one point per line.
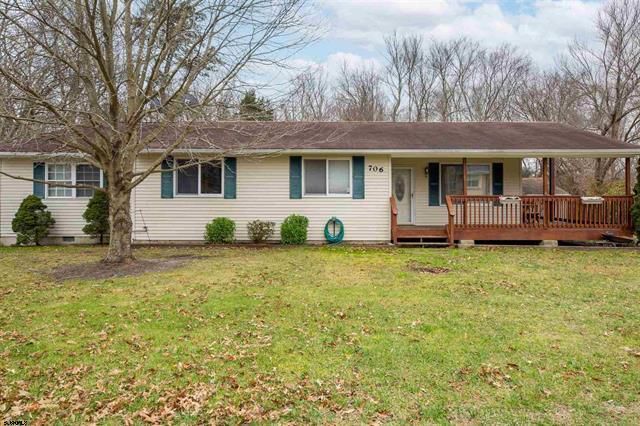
x=394 y=220
x=536 y=212
x=530 y=217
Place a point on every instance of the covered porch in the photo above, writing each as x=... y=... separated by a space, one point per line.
x=504 y=213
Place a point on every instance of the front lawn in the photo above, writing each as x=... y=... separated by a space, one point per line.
x=339 y=335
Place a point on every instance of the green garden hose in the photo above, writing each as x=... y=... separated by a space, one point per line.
x=330 y=229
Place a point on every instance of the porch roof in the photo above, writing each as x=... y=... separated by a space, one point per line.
x=469 y=139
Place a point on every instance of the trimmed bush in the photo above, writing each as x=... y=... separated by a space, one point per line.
x=260 y=231
x=32 y=221
x=97 y=216
x=294 y=229
x=220 y=230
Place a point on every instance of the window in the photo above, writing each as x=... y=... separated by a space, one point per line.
x=187 y=179
x=327 y=177
x=61 y=173
x=199 y=179
x=211 y=178
x=72 y=174
x=451 y=180
x=451 y=175
x=87 y=174
x=339 y=179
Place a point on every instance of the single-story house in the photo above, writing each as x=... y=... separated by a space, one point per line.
x=385 y=181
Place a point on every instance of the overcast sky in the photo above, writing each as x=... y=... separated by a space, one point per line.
x=354 y=29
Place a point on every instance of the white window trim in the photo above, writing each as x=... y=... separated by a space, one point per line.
x=327 y=194
x=199 y=194
x=74 y=166
x=490 y=165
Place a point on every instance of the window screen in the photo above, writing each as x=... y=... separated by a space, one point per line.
x=59 y=173
x=339 y=177
x=211 y=178
x=87 y=175
x=315 y=177
x=451 y=180
x=187 y=178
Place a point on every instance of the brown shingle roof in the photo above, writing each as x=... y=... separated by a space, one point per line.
x=500 y=136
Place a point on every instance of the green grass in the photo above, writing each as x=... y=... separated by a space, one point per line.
x=325 y=335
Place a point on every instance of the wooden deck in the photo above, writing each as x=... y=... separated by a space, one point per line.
x=412 y=231
x=527 y=218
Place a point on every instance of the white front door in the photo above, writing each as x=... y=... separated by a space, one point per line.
x=402 y=191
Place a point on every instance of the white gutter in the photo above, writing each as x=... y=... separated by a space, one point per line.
x=43 y=155
x=433 y=153
x=396 y=153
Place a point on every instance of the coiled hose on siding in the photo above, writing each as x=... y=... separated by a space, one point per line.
x=330 y=229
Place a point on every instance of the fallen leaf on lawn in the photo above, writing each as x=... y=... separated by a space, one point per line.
x=632 y=352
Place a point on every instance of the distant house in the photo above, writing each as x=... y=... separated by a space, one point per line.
x=385 y=181
x=535 y=186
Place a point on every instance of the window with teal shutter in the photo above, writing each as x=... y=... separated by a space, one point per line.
x=295 y=177
x=230 y=172
x=498 y=178
x=166 y=178
x=358 y=177
x=38 y=173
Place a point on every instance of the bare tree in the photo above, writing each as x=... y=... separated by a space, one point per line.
x=422 y=88
x=308 y=97
x=18 y=116
x=403 y=56
x=549 y=96
x=413 y=48
x=396 y=72
x=130 y=61
x=606 y=76
x=453 y=63
x=494 y=81
x=359 y=95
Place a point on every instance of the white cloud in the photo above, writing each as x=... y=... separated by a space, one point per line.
x=543 y=32
x=542 y=29
x=334 y=62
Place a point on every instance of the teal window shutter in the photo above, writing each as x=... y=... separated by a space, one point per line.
x=358 y=177
x=434 y=184
x=166 y=178
x=230 y=172
x=295 y=177
x=38 y=173
x=498 y=178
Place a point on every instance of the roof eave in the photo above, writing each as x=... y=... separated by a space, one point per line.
x=397 y=153
x=437 y=153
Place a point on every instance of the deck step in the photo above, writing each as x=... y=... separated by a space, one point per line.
x=425 y=244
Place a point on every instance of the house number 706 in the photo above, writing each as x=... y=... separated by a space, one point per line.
x=376 y=169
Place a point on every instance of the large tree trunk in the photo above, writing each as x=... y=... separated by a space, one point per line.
x=121 y=226
x=635 y=210
x=602 y=167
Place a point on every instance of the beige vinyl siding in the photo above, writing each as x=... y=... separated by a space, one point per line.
x=263 y=193
x=67 y=212
x=437 y=215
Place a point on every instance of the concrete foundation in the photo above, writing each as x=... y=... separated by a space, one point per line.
x=466 y=243
x=549 y=243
